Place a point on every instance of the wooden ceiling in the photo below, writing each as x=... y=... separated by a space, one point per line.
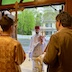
x=34 y=3
x=37 y=3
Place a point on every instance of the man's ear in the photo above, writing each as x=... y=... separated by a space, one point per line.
x=59 y=22
x=11 y=28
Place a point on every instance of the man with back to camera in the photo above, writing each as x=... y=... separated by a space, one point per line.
x=11 y=52
x=59 y=49
x=37 y=45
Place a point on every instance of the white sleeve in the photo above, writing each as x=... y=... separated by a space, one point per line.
x=44 y=44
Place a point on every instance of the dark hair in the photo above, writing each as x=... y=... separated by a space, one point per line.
x=6 y=23
x=65 y=19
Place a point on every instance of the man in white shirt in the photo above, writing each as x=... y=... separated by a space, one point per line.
x=37 y=45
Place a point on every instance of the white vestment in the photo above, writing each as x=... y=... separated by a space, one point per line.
x=34 y=44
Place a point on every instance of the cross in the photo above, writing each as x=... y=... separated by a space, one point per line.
x=16 y=9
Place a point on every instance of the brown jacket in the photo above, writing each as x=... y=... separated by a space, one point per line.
x=59 y=51
x=11 y=54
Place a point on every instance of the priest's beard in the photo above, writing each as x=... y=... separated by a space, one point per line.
x=37 y=33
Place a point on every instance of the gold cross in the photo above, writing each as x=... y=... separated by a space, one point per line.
x=16 y=8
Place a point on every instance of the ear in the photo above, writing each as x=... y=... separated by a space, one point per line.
x=59 y=22
x=11 y=28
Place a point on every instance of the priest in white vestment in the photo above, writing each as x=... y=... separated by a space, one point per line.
x=37 y=45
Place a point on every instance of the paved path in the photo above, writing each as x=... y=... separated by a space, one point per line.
x=26 y=70
x=26 y=65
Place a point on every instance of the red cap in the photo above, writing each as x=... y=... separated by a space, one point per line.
x=37 y=27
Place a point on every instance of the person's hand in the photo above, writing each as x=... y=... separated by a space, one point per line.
x=41 y=39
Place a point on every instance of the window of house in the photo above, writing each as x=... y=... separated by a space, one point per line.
x=49 y=33
x=49 y=25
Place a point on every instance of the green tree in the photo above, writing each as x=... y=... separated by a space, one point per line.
x=26 y=22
